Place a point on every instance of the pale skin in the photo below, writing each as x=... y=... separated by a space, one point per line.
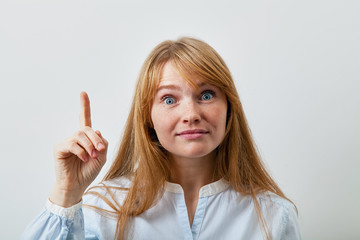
x=79 y=159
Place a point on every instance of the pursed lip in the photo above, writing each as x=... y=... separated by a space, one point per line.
x=192 y=134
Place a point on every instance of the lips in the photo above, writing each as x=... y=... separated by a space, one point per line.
x=193 y=134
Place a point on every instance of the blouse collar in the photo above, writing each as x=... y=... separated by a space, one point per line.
x=205 y=191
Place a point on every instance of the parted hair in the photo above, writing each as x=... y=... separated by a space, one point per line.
x=142 y=159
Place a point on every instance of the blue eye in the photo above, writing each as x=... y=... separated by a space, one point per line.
x=208 y=95
x=169 y=100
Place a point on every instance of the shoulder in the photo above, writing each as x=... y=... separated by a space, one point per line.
x=276 y=206
x=272 y=200
x=281 y=213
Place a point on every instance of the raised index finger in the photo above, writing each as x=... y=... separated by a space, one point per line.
x=85 y=116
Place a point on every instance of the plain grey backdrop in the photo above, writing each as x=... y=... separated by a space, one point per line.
x=295 y=64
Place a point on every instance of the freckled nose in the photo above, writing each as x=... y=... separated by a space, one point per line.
x=191 y=113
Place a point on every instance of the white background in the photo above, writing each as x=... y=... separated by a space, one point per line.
x=295 y=63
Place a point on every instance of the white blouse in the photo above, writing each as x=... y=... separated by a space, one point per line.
x=221 y=213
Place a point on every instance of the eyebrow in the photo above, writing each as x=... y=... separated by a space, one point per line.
x=175 y=87
x=170 y=86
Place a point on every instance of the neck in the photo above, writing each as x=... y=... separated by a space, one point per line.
x=192 y=173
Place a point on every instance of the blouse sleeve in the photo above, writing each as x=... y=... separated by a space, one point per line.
x=56 y=222
x=291 y=230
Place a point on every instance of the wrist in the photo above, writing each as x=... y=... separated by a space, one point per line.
x=65 y=198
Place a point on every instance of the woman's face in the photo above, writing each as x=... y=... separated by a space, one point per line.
x=188 y=122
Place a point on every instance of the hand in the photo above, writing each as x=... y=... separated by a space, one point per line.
x=78 y=160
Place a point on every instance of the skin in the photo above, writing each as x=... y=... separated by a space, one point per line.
x=192 y=154
x=78 y=160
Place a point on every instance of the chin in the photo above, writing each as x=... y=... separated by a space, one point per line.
x=194 y=153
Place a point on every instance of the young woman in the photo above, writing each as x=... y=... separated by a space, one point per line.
x=186 y=168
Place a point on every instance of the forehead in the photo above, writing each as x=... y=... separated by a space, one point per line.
x=171 y=75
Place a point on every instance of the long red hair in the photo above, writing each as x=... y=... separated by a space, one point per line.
x=140 y=156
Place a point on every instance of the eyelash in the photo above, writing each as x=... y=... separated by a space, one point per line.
x=166 y=97
x=208 y=92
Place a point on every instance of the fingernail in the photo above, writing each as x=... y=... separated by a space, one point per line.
x=100 y=146
x=93 y=153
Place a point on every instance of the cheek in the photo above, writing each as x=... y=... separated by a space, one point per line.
x=155 y=119
x=218 y=116
x=219 y=123
x=162 y=122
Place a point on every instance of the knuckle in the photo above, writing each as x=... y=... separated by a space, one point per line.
x=78 y=151
x=79 y=133
x=88 y=146
x=73 y=144
x=86 y=128
x=81 y=152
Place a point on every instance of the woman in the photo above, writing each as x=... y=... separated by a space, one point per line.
x=187 y=167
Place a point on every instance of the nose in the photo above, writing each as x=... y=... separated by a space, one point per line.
x=191 y=113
